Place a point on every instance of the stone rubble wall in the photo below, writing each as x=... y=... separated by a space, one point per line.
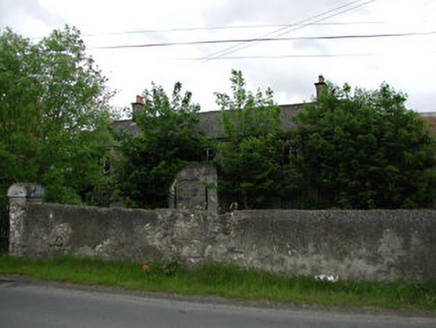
x=377 y=245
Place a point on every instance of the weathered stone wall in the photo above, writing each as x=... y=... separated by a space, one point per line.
x=192 y=188
x=361 y=245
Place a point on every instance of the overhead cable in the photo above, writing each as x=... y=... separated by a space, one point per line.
x=229 y=27
x=332 y=37
x=291 y=28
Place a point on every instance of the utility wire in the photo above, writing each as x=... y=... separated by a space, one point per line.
x=301 y=24
x=230 y=27
x=331 y=37
x=284 y=56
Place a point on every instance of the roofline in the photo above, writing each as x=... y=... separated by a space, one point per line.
x=427 y=114
x=124 y=120
x=282 y=105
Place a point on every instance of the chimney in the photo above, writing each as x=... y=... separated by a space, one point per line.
x=138 y=105
x=320 y=86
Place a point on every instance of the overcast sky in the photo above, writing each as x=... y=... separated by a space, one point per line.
x=289 y=67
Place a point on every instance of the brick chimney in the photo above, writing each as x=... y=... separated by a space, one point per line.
x=320 y=86
x=138 y=105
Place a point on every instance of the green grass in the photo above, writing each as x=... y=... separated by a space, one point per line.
x=223 y=280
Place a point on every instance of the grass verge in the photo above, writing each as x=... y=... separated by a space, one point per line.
x=223 y=280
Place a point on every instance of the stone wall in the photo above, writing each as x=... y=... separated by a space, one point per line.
x=358 y=245
x=195 y=188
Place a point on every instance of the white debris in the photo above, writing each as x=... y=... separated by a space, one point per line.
x=325 y=277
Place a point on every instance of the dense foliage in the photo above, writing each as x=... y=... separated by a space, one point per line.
x=352 y=149
x=252 y=169
x=166 y=143
x=53 y=115
x=364 y=150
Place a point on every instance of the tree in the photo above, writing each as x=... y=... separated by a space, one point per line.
x=53 y=114
x=252 y=172
x=366 y=150
x=167 y=142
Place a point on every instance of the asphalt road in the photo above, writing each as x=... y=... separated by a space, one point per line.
x=30 y=304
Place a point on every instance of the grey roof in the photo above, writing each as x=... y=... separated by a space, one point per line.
x=286 y=111
x=210 y=125
x=125 y=125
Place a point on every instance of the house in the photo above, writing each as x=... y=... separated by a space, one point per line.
x=209 y=123
x=191 y=187
x=430 y=117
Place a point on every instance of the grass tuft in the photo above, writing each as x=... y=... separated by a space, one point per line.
x=222 y=280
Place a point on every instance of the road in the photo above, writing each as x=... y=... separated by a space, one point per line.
x=26 y=304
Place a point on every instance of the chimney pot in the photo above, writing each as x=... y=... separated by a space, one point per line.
x=140 y=100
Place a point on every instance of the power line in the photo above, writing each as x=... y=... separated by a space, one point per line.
x=285 y=56
x=301 y=24
x=331 y=37
x=230 y=27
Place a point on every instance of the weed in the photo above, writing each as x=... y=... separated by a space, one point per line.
x=169 y=267
x=170 y=275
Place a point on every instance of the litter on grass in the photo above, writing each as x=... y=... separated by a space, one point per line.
x=327 y=278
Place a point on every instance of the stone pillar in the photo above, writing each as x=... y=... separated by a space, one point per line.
x=20 y=194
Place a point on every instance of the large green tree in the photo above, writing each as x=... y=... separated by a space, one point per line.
x=364 y=150
x=53 y=114
x=252 y=171
x=149 y=161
